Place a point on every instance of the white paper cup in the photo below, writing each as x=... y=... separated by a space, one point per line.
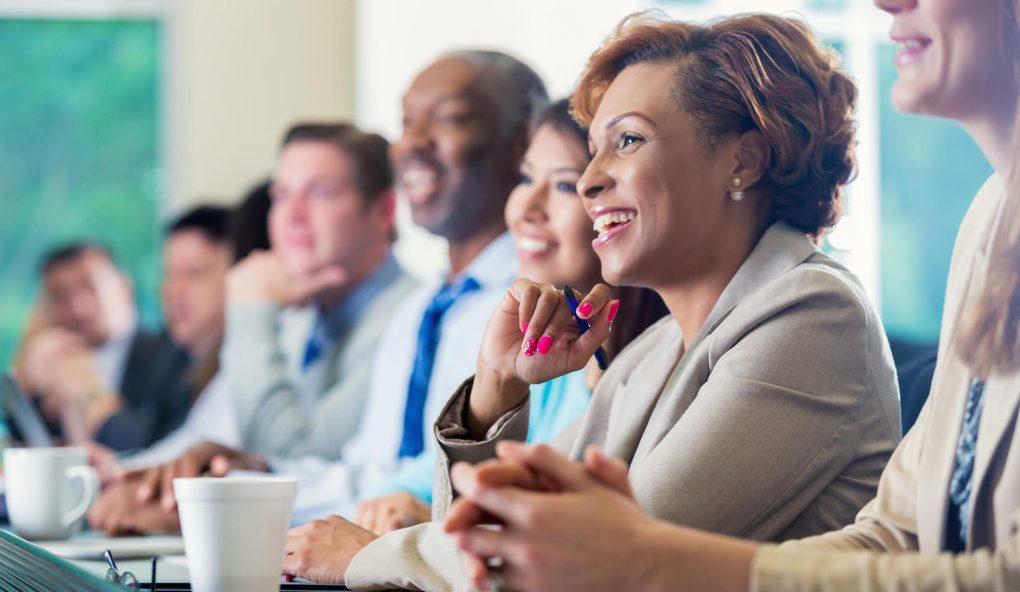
x=235 y=531
x=48 y=490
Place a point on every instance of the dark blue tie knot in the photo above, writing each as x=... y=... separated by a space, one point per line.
x=449 y=294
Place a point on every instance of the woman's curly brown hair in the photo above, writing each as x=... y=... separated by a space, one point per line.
x=743 y=73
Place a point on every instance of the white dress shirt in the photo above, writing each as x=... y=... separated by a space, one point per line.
x=111 y=358
x=210 y=419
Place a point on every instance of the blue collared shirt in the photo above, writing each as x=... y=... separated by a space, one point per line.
x=335 y=322
x=286 y=408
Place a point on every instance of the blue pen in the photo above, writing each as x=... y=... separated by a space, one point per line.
x=582 y=326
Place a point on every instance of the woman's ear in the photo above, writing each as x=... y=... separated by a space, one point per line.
x=752 y=155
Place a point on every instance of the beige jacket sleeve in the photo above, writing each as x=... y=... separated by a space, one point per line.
x=863 y=571
x=887 y=523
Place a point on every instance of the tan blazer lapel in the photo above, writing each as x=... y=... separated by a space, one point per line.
x=636 y=398
x=952 y=378
x=950 y=398
x=950 y=387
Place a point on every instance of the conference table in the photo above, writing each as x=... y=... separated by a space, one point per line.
x=48 y=559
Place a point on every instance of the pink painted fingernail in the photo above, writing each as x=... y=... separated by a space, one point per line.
x=530 y=346
x=614 y=307
x=544 y=344
x=524 y=327
x=584 y=310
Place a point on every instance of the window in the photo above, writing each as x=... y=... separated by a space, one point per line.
x=930 y=171
x=79 y=151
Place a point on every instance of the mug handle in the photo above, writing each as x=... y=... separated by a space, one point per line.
x=90 y=489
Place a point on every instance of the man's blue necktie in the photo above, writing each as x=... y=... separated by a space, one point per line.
x=317 y=343
x=413 y=441
x=962 y=483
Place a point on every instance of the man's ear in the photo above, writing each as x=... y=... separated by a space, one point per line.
x=752 y=155
x=384 y=208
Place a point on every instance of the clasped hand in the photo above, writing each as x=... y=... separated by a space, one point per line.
x=555 y=515
x=142 y=500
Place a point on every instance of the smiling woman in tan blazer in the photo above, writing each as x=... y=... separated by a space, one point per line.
x=765 y=404
x=947 y=514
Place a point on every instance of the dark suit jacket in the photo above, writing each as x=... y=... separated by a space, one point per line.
x=155 y=390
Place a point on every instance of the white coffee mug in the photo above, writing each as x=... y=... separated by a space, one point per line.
x=48 y=490
x=235 y=531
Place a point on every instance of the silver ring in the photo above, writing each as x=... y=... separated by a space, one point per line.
x=497 y=583
x=497 y=580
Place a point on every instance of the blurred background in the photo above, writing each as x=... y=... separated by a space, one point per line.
x=117 y=114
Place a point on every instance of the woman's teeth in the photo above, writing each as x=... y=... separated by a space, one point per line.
x=533 y=245
x=606 y=221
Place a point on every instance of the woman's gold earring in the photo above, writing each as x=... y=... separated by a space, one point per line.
x=736 y=194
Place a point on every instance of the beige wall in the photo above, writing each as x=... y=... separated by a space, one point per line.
x=239 y=73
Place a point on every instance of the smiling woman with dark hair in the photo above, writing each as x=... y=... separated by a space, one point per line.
x=765 y=404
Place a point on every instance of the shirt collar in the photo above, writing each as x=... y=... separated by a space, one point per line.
x=496 y=265
x=340 y=317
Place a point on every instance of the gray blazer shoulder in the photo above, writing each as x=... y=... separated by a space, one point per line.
x=287 y=412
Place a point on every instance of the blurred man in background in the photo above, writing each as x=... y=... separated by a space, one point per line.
x=197 y=255
x=97 y=374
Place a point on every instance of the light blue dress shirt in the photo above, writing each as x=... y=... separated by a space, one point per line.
x=554 y=406
x=286 y=408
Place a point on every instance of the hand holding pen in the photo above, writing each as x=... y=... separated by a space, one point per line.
x=538 y=333
x=533 y=337
x=559 y=326
x=582 y=325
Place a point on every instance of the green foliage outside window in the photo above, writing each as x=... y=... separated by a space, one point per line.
x=79 y=152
